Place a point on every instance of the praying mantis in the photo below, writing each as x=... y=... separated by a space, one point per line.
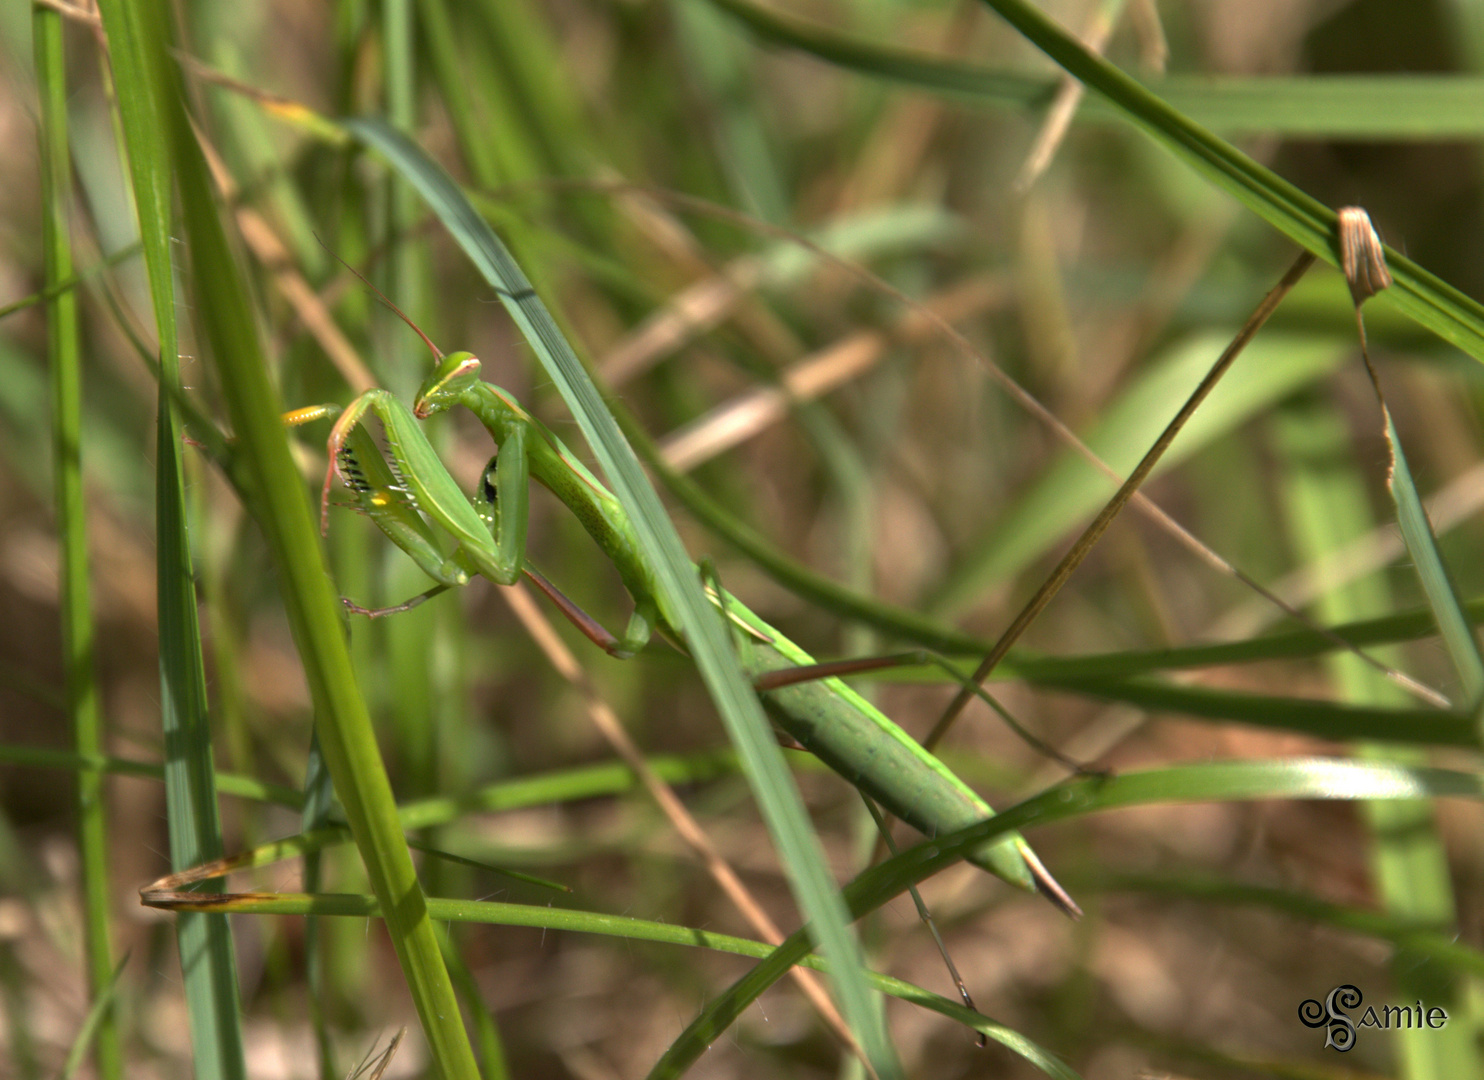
x=405 y=490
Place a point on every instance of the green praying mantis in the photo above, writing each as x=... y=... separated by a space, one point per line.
x=405 y=490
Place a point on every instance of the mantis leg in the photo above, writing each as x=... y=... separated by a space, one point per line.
x=491 y=527
x=636 y=634
x=492 y=545
x=378 y=494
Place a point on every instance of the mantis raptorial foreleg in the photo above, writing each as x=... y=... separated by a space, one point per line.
x=404 y=487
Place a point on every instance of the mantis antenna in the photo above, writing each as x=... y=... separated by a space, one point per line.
x=437 y=352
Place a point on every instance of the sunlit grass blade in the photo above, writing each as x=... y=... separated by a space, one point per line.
x=1289 y=778
x=64 y=358
x=546 y=917
x=1389 y=107
x=160 y=135
x=1437 y=584
x=707 y=639
x=206 y=956
x=1328 y=507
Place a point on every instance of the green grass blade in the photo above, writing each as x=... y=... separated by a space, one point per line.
x=140 y=33
x=1321 y=719
x=1433 y=303
x=1328 y=507
x=346 y=735
x=1288 y=778
x=546 y=917
x=1437 y=584
x=1286 y=645
x=136 y=38
x=1352 y=107
x=65 y=362
x=680 y=592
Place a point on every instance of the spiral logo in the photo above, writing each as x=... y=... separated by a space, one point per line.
x=1341 y=1029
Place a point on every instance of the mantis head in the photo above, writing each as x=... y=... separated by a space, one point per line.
x=455 y=373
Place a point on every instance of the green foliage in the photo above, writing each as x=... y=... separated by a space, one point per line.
x=624 y=154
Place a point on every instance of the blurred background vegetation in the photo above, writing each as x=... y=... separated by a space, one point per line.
x=1104 y=285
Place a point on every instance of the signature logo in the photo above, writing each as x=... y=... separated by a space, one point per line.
x=1341 y=1031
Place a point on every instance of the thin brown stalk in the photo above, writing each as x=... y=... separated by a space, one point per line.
x=274 y=256
x=86 y=14
x=1094 y=531
x=606 y=721
x=1021 y=397
x=1154 y=48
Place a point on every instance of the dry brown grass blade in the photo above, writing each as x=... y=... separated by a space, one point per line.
x=374 y=1064
x=1154 y=47
x=715 y=296
x=1362 y=259
x=87 y=14
x=735 y=421
x=275 y=257
x=1064 y=106
x=691 y=312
